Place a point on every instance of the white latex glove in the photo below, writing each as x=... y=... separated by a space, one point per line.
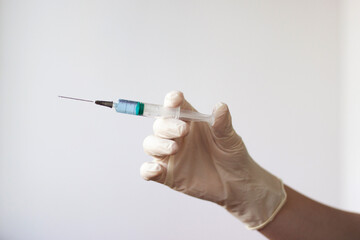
x=212 y=163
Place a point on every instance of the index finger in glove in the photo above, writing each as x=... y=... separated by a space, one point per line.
x=170 y=128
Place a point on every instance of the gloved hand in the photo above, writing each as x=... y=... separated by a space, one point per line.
x=211 y=163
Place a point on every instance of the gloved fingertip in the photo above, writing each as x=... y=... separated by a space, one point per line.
x=221 y=111
x=220 y=107
x=151 y=171
x=222 y=118
x=173 y=99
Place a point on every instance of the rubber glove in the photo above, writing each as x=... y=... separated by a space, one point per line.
x=211 y=163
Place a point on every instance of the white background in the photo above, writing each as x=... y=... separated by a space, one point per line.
x=70 y=170
x=350 y=104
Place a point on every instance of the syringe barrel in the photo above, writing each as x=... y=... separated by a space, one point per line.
x=154 y=110
x=146 y=109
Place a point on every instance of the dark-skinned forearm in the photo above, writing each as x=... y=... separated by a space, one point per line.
x=303 y=218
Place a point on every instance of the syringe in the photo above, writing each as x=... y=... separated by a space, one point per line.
x=151 y=110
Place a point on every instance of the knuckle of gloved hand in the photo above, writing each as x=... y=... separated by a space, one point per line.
x=170 y=147
x=182 y=128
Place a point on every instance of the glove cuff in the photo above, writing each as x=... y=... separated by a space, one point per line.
x=261 y=207
x=282 y=203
